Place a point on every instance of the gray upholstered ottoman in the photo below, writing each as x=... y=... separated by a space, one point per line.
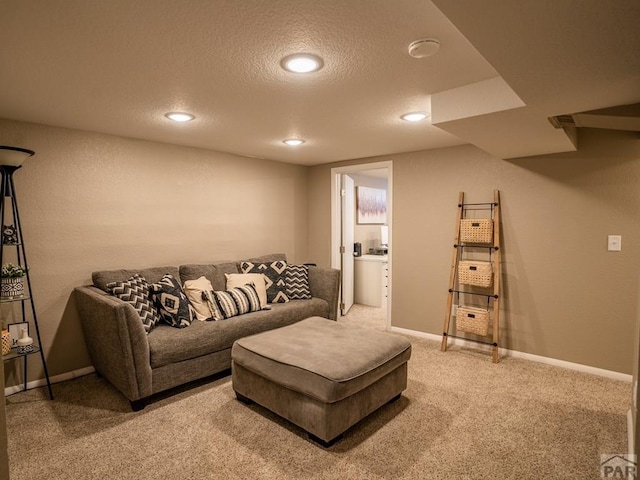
x=321 y=375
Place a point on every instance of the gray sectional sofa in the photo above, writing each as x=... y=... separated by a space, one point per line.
x=140 y=364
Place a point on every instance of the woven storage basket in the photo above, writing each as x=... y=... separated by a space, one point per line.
x=476 y=230
x=479 y=274
x=472 y=320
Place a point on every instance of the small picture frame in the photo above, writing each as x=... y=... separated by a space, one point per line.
x=15 y=330
x=9 y=235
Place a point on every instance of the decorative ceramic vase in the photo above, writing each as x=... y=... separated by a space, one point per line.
x=25 y=342
x=6 y=342
x=12 y=287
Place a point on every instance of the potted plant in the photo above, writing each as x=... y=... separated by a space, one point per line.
x=12 y=280
x=11 y=284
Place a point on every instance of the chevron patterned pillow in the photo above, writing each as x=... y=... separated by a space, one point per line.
x=297 y=280
x=135 y=292
x=274 y=273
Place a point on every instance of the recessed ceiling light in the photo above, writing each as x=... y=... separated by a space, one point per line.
x=179 y=116
x=293 y=142
x=414 y=116
x=301 y=63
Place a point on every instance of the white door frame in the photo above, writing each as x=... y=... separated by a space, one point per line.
x=348 y=226
x=336 y=215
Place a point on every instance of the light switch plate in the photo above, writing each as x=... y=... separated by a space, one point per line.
x=614 y=243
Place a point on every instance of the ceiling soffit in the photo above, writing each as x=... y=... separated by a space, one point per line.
x=503 y=68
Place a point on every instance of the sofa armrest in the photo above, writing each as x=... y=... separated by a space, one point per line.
x=116 y=341
x=325 y=283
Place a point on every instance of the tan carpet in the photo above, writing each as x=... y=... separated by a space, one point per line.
x=461 y=417
x=366 y=316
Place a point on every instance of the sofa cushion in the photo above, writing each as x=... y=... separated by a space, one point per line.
x=297 y=281
x=274 y=273
x=168 y=345
x=152 y=275
x=232 y=302
x=269 y=258
x=135 y=291
x=214 y=272
x=193 y=289
x=173 y=305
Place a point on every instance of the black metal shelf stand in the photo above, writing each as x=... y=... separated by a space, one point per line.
x=8 y=196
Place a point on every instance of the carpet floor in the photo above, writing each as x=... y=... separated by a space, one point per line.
x=461 y=417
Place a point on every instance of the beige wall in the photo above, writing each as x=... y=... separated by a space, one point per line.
x=90 y=202
x=564 y=295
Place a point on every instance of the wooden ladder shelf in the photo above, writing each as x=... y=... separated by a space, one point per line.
x=470 y=280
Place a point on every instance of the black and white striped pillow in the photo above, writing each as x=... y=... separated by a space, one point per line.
x=232 y=302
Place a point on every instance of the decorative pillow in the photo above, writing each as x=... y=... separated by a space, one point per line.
x=258 y=280
x=297 y=279
x=135 y=291
x=173 y=305
x=233 y=302
x=193 y=290
x=274 y=273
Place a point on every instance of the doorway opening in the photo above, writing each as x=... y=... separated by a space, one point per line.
x=361 y=241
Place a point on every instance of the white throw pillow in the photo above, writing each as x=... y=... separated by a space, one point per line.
x=256 y=279
x=193 y=290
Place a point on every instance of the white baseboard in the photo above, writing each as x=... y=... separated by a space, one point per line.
x=526 y=356
x=43 y=382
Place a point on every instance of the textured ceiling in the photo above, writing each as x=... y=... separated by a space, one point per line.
x=117 y=66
